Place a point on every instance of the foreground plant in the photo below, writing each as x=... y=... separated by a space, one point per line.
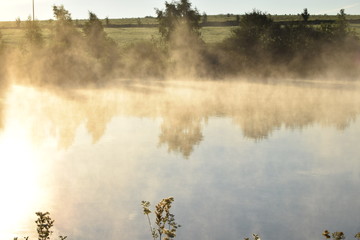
x=44 y=224
x=165 y=221
x=337 y=235
x=255 y=237
x=357 y=236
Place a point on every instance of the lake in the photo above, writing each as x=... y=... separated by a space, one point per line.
x=280 y=160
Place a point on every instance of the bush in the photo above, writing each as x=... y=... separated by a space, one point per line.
x=261 y=45
x=33 y=33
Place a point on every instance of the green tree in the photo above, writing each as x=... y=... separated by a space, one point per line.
x=341 y=24
x=61 y=14
x=305 y=15
x=99 y=45
x=68 y=61
x=93 y=27
x=64 y=30
x=253 y=34
x=175 y=14
x=96 y=37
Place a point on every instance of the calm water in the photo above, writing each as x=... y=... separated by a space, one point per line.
x=280 y=160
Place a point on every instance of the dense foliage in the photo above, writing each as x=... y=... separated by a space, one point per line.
x=175 y=14
x=302 y=49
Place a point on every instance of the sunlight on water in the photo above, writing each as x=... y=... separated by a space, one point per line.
x=18 y=181
x=225 y=151
x=19 y=175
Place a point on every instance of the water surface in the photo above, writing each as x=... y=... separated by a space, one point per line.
x=239 y=158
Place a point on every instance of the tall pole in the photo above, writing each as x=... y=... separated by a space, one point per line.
x=33 y=10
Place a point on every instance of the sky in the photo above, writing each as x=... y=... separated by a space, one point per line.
x=12 y=9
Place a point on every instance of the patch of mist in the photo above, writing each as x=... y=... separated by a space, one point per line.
x=184 y=108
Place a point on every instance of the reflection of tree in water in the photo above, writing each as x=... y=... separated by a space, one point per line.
x=95 y=113
x=59 y=116
x=181 y=131
x=265 y=108
x=3 y=90
x=258 y=109
x=1 y=110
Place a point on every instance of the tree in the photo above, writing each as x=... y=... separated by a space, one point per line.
x=237 y=19
x=93 y=27
x=138 y=21
x=305 y=15
x=341 y=24
x=107 y=21
x=95 y=35
x=175 y=14
x=204 y=18
x=64 y=30
x=99 y=45
x=61 y=14
x=18 y=22
x=1 y=43
x=252 y=35
x=33 y=33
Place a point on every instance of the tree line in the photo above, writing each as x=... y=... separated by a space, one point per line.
x=258 y=47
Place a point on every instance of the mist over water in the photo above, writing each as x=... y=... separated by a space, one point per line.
x=89 y=129
x=280 y=160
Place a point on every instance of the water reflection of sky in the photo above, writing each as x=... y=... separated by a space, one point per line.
x=292 y=184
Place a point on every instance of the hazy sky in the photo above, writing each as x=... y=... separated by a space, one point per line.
x=11 y=9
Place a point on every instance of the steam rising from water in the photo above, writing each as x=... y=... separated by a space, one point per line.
x=84 y=140
x=185 y=107
x=108 y=149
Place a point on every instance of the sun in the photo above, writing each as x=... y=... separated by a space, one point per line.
x=18 y=183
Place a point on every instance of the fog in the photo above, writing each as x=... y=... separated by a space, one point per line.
x=246 y=139
x=87 y=57
x=184 y=108
x=239 y=157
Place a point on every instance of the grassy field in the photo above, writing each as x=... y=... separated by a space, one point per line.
x=125 y=36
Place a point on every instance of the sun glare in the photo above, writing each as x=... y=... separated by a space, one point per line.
x=18 y=182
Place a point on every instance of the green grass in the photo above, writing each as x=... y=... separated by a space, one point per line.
x=212 y=35
x=126 y=36
x=134 y=21
x=355 y=28
x=123 y=36
x=13 y=36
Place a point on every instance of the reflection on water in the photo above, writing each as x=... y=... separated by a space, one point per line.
x=184 y=109
x=279 y=160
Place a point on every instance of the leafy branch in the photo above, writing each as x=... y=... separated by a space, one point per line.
x=164 y=219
